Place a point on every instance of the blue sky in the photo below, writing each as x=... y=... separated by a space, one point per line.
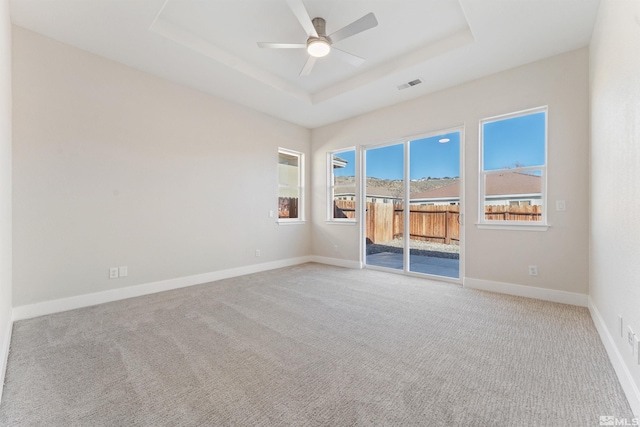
x=386 y=162
x=515 y=141
x=429 y=158
x=518 y=141
x=350 y=169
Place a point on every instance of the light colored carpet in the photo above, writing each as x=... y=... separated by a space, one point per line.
x=312 y=345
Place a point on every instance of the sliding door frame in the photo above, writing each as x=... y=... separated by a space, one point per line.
x=407 y=186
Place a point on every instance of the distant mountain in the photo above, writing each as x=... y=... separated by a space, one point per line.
x=395 y=186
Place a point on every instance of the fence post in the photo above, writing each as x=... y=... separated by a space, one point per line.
x=447 y=237
x=371 y=220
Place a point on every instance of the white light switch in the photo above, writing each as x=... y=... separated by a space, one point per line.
x=561 y=205
x=123 y=271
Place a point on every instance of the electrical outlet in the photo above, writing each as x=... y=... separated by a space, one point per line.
x=113 y=273
x=533 y=270
x=335 y=248
x=123 y=271
x=561 y=205
x=258 y=253
x=270 y=214
x=631 y=338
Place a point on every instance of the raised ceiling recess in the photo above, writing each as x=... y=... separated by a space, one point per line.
x=211 y=45
x=200 y=26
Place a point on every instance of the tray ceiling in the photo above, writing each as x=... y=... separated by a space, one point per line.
x=211 y=45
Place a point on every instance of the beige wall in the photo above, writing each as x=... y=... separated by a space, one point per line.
x=560 y=253
x=615 y=172
x=115 y=167
x=5 y=183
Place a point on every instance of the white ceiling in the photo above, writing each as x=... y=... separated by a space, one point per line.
x=210 y=45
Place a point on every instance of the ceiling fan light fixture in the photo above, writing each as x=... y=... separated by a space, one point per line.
x=318 y=48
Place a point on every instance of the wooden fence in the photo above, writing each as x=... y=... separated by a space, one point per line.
x=344 y=209
x=287 y=207
x=430 y=223
x=433 y=223
x=513 y=213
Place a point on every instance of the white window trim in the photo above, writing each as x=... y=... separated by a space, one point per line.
x=291 y=221
x=301 y=189
x=330 y=189
x=513 y=225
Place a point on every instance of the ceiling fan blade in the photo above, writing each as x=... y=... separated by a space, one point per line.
x=365 y=23
x=352 y=59
x=298 y=9
x=282 y=45
x=308 y=66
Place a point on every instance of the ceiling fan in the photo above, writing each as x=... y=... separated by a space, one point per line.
x=319 y=44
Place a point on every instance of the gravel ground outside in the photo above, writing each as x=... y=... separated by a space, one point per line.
x=418 y=247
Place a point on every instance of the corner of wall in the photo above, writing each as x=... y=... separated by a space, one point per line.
x=337 y=262
x=4 y=353
x=627 y=381
x=614 y=150
x=5 y=188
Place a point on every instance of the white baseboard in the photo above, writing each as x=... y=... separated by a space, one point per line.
x=336 y=262
x=628 y=383
x=80 y=301
x=527 y=291
x=4 y=353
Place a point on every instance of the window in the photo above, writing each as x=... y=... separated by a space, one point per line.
x=341 y=191
x=290 y=185
x=513 y=158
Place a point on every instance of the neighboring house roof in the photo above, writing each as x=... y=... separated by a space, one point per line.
x=507 y=183
x=346 y=190
x=339 y=162
x=382 y=192
x=513 y=183
x=448 y=191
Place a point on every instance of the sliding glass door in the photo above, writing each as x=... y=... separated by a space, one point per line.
x=434 y=205
x=419 y=233
x=384 y=192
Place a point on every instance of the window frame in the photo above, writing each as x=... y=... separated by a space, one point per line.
x=483 y=223
x=301 y=187
x=331 y=188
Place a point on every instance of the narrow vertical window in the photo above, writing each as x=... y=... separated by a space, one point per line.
x=513 y=168
x=290 y=185
x=341 y=191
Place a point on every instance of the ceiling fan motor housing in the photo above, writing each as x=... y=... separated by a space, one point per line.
x=321 y=28
x=320 y=25
x=321 y=45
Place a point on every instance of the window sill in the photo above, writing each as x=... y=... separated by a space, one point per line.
x=515 y=226
x=339 y=222
x=291 y=222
